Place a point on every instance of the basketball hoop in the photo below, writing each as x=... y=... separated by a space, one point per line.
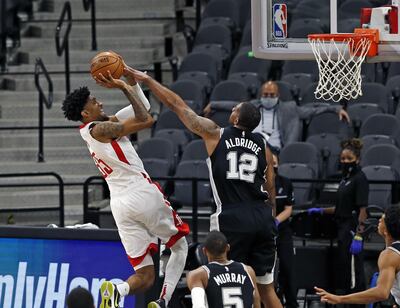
x=339 y=57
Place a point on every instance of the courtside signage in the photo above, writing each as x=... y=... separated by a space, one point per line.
x=39 y=273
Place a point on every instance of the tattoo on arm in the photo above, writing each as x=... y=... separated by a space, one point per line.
x=141 y=113
x=111 y=130
x=197 y=124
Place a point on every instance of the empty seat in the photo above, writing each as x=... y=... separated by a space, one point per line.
x=329 y=148
x=374 y=93
x=384 y=155
x=251 y=81
x=347 y=25
x=230 y=90
x=299 y=82
x=244 y=63
x=195 y=150
x=183 y=192
x=168 y=119
x=329 y=123
x=393 y=91
x=190 y=90
x=359 y=112
x=308 y=67
x=302 y=191
x=179 y=137
x=215 y=34
x=300 y=153
x=380 y=194
x=380 y=124
x=157 y=148
x=223 y=8
x=371 y=140
x=202 y=78
x=200 y=62
x=352 y=8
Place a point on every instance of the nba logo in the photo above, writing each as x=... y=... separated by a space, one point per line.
x=279 y=21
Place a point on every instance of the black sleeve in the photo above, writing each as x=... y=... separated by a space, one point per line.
x=362 y=191
x=289 y=192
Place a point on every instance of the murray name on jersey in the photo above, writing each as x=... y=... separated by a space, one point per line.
x=223 y=278
x=242 y=142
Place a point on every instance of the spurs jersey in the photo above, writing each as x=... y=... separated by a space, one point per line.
x=237 y=167
x=396 y=285
x=229 y=285
x=117 y=161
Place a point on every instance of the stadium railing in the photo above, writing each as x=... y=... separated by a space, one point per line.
x=91 y=5
x=60 y=184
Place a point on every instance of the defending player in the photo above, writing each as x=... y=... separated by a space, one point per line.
x=242 y=179
x=138 y=206
x=222 y=282
x=388 y=263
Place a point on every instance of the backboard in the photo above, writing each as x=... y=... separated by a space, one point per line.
x=280 y=27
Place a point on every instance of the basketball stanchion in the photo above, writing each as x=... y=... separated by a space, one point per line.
x=339 y=57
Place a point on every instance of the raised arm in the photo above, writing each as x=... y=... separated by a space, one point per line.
x=201 y=126
x=110 y=130
x=269 y=185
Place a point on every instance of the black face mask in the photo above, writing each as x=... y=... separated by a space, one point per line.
x=348 y=167
x=276 y=170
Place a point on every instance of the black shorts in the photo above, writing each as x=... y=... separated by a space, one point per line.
x=251 y=233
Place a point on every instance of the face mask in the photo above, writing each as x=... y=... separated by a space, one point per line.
x=276 y=170
x=348 y=167
x=269 y=102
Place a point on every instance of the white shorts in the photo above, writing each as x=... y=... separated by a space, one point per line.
x=142 y=215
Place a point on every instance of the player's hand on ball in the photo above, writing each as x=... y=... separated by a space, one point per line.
x=109 y=82
x=139 y=76
x=327 y=297
x=129 y=74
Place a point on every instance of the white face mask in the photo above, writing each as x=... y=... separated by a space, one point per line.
x=269 y=102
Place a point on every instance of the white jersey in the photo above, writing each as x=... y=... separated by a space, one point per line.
x=117 y=161
x=396 y=285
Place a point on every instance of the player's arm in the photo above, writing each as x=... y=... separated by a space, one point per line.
x=109 y=130
x=387 y=264
x=197 y=282
x=201 y=126
x=256 y=295
x=269 y=184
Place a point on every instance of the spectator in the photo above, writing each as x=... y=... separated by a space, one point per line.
x=80 y=298
x=352 y=197
x=280 y=121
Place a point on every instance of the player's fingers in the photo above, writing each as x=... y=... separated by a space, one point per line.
x=102 y=78
x=109 y=76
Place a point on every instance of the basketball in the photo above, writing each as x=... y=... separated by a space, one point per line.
x=107 y=61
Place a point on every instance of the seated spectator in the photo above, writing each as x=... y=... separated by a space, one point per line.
x=280 y=121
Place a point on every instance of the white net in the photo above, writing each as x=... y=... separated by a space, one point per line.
x=339 y=66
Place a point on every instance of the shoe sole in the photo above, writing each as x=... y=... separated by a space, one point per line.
x=107 y=300
x=153 y=305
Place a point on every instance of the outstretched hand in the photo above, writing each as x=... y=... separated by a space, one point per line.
x=327 y=297
x=109 y=82
x=137 y=75
x=343 y=115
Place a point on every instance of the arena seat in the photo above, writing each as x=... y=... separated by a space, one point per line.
x=221 y=111
x=380 y=194
x=371 y=140
x=201 y=62
x=195 y=150
x=243 y=63
x=230 y=90
x=223 y=8
x=179 y=137
x=382 y=154
x=380 y=124
x=190 y=90
x=329 y=147
x=328 y=122
x=300 y=153
x=158 y=148
x=361 y=111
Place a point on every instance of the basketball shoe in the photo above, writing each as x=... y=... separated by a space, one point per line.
x=160 y=303
x=109 y=295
